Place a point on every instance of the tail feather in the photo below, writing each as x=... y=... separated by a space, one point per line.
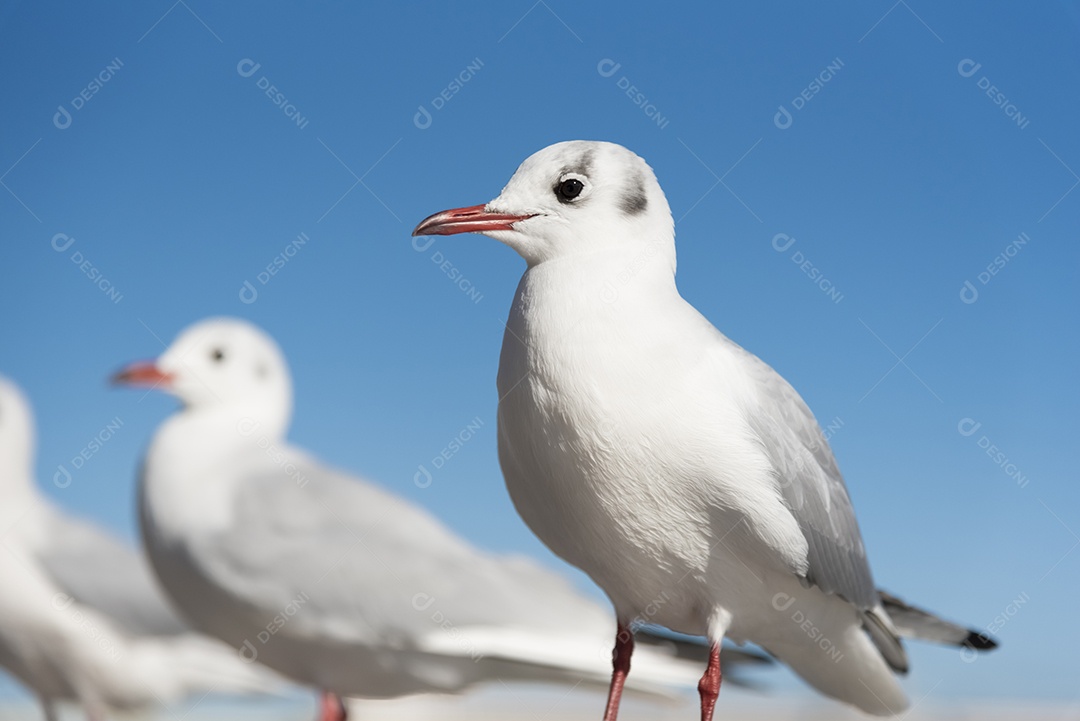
x=914 y=622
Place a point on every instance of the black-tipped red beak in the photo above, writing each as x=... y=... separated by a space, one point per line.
x=144 y=374
x=466 y=220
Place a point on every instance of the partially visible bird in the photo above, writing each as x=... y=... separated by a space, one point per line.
x=325 y=577
x=646 y=448
x=81 y=618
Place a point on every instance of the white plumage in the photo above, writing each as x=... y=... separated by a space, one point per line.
x=646 y=448
x=80 y=616
x=325 y=577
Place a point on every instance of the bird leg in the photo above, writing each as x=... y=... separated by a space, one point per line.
x=620 y=660
x=331 y=707
x=48 y=707
x=709 y=685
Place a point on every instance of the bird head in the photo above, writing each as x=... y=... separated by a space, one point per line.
x=571 y=198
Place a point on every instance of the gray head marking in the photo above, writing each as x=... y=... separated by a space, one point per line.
x=572 y=178
x=633 y=200
x=583 y=166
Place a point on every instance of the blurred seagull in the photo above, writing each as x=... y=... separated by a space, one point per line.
x=649 y=450
x=325 y=577
x=80 y=617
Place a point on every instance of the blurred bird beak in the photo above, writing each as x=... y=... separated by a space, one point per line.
x=466 y=220
x=144 y=374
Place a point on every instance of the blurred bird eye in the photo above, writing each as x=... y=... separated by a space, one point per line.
x=569 y=189
x=217 y=355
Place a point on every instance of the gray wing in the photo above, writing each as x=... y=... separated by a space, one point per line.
x=369 y=566
x=811 y=484
x=100 y=571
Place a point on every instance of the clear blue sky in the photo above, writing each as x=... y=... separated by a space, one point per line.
x=899 y=180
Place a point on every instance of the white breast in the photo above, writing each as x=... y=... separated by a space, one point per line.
x=185 y=491
x=627 y=454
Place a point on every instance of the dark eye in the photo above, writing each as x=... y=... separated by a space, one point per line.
x=569 y=189
x=217 y=355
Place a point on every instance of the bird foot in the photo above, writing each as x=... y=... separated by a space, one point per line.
x=331 y=707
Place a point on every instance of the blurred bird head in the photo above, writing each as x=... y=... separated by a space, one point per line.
x=16 y=429
x=221 y=365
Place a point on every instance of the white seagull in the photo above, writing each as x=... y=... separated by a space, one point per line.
x=80 y=617
x=652 y=452
x=325 y=577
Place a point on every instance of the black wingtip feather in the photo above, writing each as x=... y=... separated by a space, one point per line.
x=979 y=642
